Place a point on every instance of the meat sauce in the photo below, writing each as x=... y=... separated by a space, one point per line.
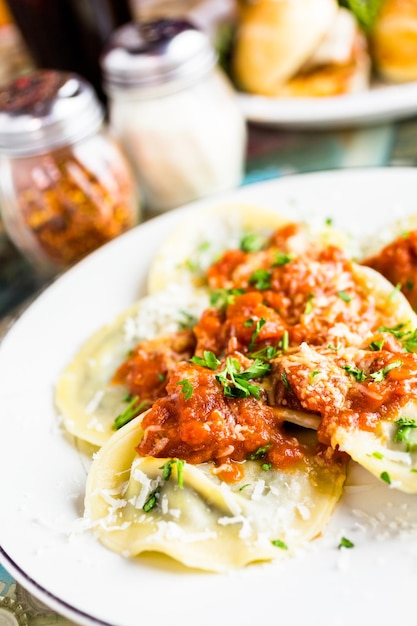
x=287 y=311
x=398 y=263
x=208 y=426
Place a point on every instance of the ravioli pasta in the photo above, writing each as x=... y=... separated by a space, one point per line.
x=204 y=522
x=228 y=402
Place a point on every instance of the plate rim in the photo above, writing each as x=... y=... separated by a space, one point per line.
x=385 y=103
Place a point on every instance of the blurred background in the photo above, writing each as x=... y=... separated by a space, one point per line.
x=177 y=117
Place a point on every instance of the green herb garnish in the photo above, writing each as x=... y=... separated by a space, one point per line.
x=186 y=388
x=279 y=544
x=358 y=374
x=365 y=11
x=132 y=410
x=236 y=383
x=151 y=500
x=376 y=345
x=385 y=477
x=221 y=298
x=209 y=360
x=282 y=258
x=379 y=375
x=252 y=242
x=404 y=427
x=259 y=324
x=261 y=279
x=344 y=296
x=345 y=543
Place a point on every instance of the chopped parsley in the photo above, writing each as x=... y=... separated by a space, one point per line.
x=407 y=337
x=279 y=544
x=378 y=455
x=258 y=326
x=266 y=354
x=266 y=466
x=221 y=298
x=379 y=375
x=285 y=381
x=281 y=258
x=284 y=343
x=386 y=477
x=186 y=388
x=132 y=410
x=365 y=11
x=404 y=427
x=167 y=470
x=309 y=304
x=236 y=383
x=398 y=330
x=314 y=373
x=394 y=292
x=344 y=296
x=152 y=500
x=333 y=347
x=358 y=374
x=345 y=543
x=252 y=242
x=208 y=360
x=376 y=345
x=410 y=341
x=260 y=453
x=409 y=284
x=261 y=279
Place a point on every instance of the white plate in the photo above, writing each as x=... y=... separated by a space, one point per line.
x=382 y=103
x=43 y=475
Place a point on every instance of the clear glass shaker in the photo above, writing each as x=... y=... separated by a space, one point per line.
x=66 y=187
x=174 y=111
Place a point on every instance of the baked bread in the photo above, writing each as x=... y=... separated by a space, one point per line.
x=275 y=38
x=340 y=65
x=394 y=40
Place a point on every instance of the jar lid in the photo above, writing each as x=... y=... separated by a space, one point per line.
x=45 y=109
x=154 y=53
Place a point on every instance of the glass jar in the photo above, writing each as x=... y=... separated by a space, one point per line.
x=66 y=187
x=174 y=111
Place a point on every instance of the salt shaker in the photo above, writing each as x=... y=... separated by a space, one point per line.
x=66 y=187
x=174 y=111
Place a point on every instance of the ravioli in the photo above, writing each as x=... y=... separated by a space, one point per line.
x=197 y=519
x=199 y=240
x=85 y=396
x=389 y=452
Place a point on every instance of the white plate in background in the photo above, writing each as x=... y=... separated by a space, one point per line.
x=43 y=474
x=382 y=103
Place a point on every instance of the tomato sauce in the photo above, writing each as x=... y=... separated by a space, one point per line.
x=146 y=370
x=398 y=263
x=300 y=305
x=209 y=426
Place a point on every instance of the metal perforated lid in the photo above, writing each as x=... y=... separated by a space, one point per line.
x=160 y=52
x=46 y=109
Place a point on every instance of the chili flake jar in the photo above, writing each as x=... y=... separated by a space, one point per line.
x=66 y=187
x=174 y=111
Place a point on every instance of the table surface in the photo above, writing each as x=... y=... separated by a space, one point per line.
x=271 y=153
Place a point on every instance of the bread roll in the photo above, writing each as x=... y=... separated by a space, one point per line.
x=275 y=38
x=394 y=40
x=340 y=65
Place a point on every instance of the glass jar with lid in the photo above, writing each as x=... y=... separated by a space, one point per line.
x=174 y=111
x=66 y=187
